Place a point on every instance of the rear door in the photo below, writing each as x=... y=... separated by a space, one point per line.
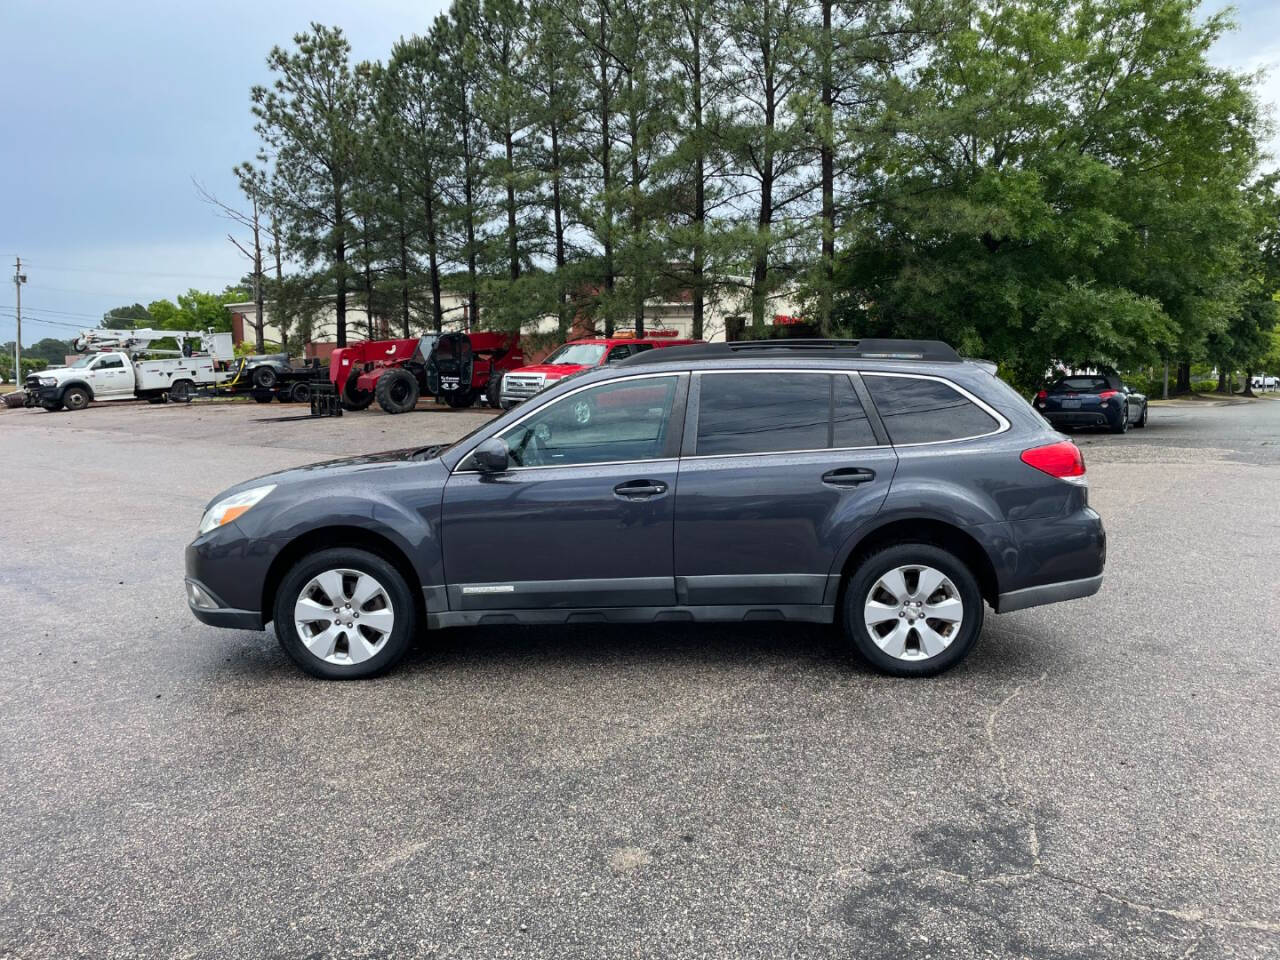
x=779 y=468
x=584 y=516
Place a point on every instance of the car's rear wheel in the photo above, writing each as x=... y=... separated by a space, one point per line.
x=344 y=613
x=1123 y=425
x=300 y=392
x=1142 y=420
x=181 y=391
x=913 y=609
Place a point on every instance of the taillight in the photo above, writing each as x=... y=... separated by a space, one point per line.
x=1106 y=395
x=1062 y=460
x=1042 y=395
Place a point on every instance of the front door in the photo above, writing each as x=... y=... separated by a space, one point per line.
x=111 y=377
x=782 y=469
x=583 y=518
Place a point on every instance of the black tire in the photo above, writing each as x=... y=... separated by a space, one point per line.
x=1123 y=425
x=493 y=390
x=264 y=377
x=75 y=398
x=874 y=566
x=1142 y=420
x=353 y=398
x=397 y=391
x=460 y=398
x=181 y=391
x=395 y=645
x=300 y=392
x=260 y=397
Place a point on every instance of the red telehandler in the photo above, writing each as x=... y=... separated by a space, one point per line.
x=455 y=368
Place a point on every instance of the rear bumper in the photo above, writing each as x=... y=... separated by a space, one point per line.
x=1048 y=593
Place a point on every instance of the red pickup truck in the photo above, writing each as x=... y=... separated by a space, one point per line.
x=577 y=355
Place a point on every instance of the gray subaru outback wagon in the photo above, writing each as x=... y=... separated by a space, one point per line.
x=887 y=486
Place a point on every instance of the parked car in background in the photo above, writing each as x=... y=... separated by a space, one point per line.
x=1092 y=400
x=887 y=486
x=579 y=355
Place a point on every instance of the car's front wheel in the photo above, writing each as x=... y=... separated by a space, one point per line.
x=913 y=609
x=344 y=614
x=1142 y=420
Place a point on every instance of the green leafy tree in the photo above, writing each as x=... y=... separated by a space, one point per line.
x=312 y=121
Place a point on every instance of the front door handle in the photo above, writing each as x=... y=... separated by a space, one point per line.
x=640 y=489
x=848 y=476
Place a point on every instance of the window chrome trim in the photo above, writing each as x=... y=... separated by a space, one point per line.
x=676 y=374
x=1002 y=424
x=821 y=371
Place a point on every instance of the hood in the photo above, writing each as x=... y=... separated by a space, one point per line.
x=331 y=469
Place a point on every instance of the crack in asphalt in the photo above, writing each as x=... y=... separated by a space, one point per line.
x=1186 y=915
x=1033 y=842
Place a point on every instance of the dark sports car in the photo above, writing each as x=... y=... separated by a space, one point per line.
x=1092 y=400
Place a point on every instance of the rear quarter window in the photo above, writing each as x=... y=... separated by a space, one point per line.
x=916 y=410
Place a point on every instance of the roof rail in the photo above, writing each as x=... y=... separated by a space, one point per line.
x=866 y=349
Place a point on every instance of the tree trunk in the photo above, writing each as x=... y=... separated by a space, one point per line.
x=557 y=212
x=473 y=302
x=760 y=271
x=404 y=264
x=258 y=322
x=606 y=179
x=513 y=248
x=283 y=321
x=1165 y=395
x=1223 y=386
x=827 y=163
x=698 y=272
x=638 y=275
x=433 y=262
x=1184 y=377
x=1248 y=384
x=340 y=264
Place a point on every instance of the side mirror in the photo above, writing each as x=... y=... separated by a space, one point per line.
x=492 y=456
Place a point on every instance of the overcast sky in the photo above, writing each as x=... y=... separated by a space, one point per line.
x=111 y=108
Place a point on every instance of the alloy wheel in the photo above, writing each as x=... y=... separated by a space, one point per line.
x=913 y=612
x=344 y=616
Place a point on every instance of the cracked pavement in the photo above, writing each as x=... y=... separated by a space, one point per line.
x=1099 y=778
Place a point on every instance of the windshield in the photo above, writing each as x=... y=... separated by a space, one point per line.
x=582 y=354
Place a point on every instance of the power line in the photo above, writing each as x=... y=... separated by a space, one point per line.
x=129 y=273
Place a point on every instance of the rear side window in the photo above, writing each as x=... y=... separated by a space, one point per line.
x=926 y=411
x=773 y=413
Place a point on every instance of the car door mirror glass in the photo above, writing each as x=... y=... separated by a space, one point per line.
x=491 y=456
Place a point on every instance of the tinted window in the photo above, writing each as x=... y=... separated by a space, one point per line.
x=850 y=427
x=621 y=420
x=619 y=353
x=763 y=413
x=110 y=362
x=925 y=411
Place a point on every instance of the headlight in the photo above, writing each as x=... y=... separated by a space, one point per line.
x=227 y=509
x=48 y=381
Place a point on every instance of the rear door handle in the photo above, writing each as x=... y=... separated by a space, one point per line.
x=640 y=489
x=848 y=476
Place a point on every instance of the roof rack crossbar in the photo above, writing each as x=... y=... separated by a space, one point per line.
x=865 y=349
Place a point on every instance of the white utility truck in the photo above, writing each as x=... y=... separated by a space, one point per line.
x=111 y=369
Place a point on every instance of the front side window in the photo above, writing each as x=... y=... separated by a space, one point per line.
x=915 y=410
x=622 y=420
x=109 y=363
x=619 y=353
x=740 y=413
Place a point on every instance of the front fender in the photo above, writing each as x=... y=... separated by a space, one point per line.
x=62 y=388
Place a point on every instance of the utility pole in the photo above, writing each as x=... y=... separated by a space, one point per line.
x=19 y=278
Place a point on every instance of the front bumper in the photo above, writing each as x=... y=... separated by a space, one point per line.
x=38 y=396
x=225 y=575
x=207 y=608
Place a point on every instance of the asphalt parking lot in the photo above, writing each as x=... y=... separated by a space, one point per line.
x=1100 y=778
